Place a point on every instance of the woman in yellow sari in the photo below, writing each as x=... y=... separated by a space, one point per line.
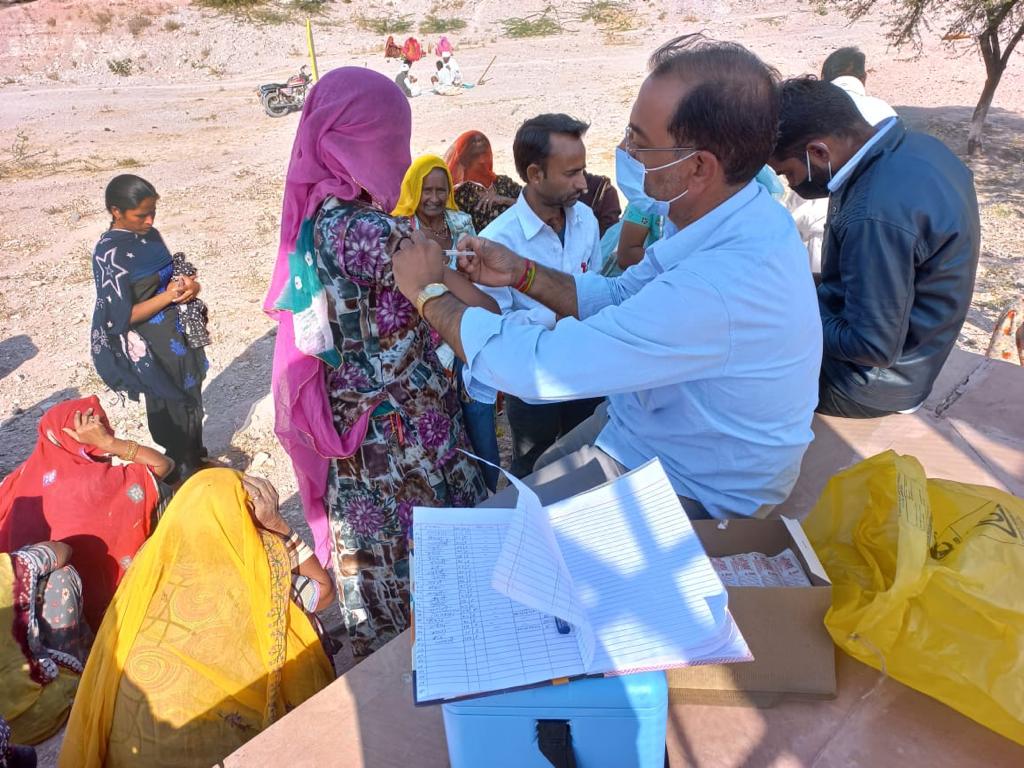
x=202 y=647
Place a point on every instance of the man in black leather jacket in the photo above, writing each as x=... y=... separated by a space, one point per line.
x=900 y=251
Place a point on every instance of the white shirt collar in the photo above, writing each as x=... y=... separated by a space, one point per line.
x=843 y=173
x=850 y=84
x=530 y=221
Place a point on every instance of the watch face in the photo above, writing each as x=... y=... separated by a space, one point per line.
x=431 y=291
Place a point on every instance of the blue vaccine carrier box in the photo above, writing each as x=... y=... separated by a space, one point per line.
x=617 y=722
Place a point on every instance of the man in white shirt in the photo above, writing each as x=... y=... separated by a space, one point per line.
x=442 y=81
x=452 y=68
x=846 y=69
x=709 y=349
x=548 y=226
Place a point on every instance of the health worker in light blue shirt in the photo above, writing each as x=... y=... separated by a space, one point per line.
x=709 y=348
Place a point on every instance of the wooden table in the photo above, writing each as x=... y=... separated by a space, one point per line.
x=971 y=429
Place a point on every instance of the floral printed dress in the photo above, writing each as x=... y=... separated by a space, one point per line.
x=469 y=196
x=410 y=454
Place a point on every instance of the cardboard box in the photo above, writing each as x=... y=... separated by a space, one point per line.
x=784 y=626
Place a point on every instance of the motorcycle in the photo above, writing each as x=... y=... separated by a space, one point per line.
x=278 y=99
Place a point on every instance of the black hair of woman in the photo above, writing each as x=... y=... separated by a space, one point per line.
x=126 y=192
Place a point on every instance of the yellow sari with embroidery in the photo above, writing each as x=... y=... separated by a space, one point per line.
x=202 y=647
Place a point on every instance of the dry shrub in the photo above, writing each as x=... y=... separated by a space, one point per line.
x=137 y=23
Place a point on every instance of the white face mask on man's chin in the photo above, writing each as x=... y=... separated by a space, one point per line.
x=631 y=177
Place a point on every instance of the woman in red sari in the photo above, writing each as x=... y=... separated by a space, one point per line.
x=69 y=490
x=479 y=191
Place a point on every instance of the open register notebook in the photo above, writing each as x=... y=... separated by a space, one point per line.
x=611 y=581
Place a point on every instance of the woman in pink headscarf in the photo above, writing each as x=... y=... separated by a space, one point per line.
x=363 y=406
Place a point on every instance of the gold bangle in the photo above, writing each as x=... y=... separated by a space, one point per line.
x=133 y=448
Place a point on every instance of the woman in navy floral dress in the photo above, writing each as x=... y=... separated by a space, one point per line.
x=138 y=340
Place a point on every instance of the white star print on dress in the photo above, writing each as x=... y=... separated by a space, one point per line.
x=111 y=271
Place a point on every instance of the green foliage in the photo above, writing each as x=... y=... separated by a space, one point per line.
x=230 y=5
x=994 y=26
x=385 y=25
x=538 y=25
x=609 y=15
x=122 y=67
x=436 y=25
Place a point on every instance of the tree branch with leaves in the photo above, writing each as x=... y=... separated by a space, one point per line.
x=994 y=26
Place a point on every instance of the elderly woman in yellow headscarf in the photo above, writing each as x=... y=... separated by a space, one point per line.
x=205 y=644
x=427 y=202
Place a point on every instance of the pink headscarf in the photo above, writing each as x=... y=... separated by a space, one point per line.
x=353 y=136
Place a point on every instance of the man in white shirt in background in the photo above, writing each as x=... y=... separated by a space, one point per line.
x=452 y=66
x=547 y=226
x=846 y=69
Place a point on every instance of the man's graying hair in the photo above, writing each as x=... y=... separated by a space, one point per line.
x=731 y=109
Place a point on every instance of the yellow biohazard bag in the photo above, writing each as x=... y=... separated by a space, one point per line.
x=928 y=584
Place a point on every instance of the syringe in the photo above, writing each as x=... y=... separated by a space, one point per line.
x=452 y=254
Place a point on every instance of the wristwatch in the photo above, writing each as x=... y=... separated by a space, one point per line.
x=432 y=291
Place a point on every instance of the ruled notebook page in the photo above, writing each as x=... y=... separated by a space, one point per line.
x=531 y=570
x=648 y=589
x=469 y=638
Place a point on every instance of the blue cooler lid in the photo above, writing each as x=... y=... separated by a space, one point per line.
x=632 y=693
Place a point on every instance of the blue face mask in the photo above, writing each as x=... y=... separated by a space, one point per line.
x=630 y=175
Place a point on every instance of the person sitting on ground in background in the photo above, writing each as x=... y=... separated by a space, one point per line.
x=451 y=66
x=44 y=639
x=845 y=68
x=204 y=645
x=603 y=200
x=427 y=203
x=442 y=81
x=69 y=490
x=356 y=377
x=709 y=349
x=549 y=226
x=901 y=248
x=479 y=191
x=406 y=80
x=138 y=339
x=443 y=45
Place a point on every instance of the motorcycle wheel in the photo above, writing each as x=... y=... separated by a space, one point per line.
x=275 y=105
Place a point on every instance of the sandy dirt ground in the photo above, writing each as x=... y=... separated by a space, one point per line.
x=188 y=120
